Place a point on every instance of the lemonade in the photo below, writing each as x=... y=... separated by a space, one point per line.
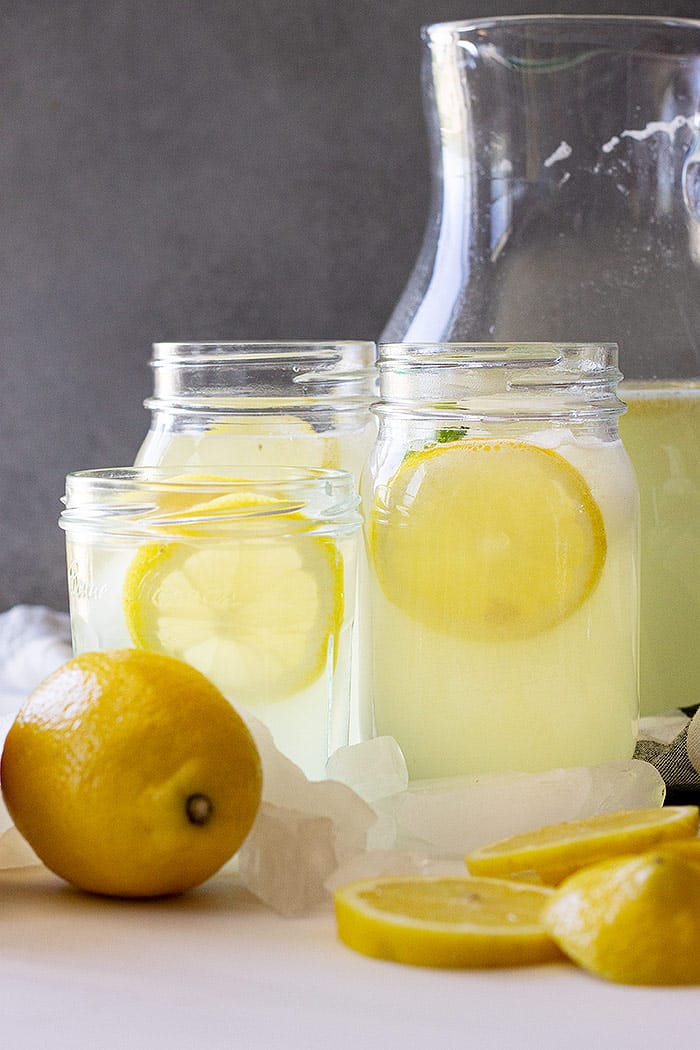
x=503 y=554
x=661 y=431
x=250 y=580
x=564 y=694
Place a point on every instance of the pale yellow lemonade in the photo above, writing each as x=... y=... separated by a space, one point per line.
x=259 y=440
x=276 y=439
x=246 y=590
x=503 y=597
x=661 y=431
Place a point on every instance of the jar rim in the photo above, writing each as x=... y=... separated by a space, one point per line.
x=183 y=353
x=503 y=354
x=436 y=30
x=121 y=501
x=504 y=381
x=174 y=479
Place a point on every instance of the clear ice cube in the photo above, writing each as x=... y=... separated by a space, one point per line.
x=452 y=816
x=374 y=769
x=304 y=830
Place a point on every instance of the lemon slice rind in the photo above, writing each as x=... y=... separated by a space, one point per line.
x=558 y=850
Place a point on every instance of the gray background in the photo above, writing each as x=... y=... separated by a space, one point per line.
x=192 y=170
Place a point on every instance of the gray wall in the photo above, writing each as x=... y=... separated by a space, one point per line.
x=192 y=170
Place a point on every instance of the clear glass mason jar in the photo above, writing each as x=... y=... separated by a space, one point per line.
x=250 y=578
x=282 y=404
x=278 y=403
x=501 y=525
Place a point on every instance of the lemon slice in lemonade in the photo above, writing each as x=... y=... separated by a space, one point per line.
x=487 y=540
x=275 y=440
x=259 y=615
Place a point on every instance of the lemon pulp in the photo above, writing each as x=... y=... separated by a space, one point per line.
x=486 y=539
x=259 y=615
x=445 y=922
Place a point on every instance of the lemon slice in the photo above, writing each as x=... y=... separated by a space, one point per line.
x=487 y=539
x=176 y=505
x=250 y=440
x=445 y=922
x=557 y=850
x=633 y=920
x=259 y=616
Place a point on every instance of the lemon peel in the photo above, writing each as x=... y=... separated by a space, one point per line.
x=632 y=920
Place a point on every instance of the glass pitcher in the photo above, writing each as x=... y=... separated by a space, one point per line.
x=566 y=206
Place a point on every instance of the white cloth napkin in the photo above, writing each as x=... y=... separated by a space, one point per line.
x=34 y=641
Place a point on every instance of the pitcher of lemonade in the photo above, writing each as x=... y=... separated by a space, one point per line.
x=566 y=206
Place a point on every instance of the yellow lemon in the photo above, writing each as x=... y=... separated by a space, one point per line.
x=258 y=614
x=130 y=774
x=555 y=851
x=487 y=539
x=632 y=919
x=445 y=922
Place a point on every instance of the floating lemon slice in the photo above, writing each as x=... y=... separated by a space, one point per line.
x=557 y=850
x=250 y=440
x=445 y=922
x=258 y=615
x=634 y=920
x=487 y=539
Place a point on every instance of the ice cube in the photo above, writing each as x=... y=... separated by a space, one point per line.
x=374 y=769
x=286 y=859
x=305 y=830
x=449 y=817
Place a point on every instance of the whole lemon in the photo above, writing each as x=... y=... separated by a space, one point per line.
x=130 y=774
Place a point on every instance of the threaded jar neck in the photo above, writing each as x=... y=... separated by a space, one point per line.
x=503 y=382
x=160 y=504
x=243 y=378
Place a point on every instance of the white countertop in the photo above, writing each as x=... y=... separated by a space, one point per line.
x=215 y=969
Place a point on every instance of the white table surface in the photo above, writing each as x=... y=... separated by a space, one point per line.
x=215 y=969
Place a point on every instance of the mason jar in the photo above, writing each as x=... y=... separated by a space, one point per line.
x=281 y=404
x=249 y=577
x=501 y=526
x=295 y=403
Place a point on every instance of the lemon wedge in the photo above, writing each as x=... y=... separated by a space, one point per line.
x=634 y=920
x=487 y=540
x=557 y=850
x=259 y=615
x=445 y=922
